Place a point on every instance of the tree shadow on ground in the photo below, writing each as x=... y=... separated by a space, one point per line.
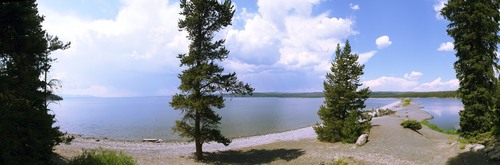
x=254 y=156
x=471 y=158
x=59 y=160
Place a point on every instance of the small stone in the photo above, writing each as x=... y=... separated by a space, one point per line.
x=362 y=139
x=478 y=147
x=474 y=147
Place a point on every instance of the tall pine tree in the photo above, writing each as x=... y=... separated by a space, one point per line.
x=341 y=111
x=474 y=27
x=203 y=82
x=26 y=131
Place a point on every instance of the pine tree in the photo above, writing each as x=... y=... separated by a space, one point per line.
x=203 y=77
x=341 y=111
x=26 y=126
x=474 y=27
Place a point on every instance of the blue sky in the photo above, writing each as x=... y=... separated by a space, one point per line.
x=129 y=47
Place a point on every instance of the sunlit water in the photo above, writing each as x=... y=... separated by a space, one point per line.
x=152 y=117
x=444 y=110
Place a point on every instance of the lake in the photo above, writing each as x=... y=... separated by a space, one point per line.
x=444 y=110
x=137 y=118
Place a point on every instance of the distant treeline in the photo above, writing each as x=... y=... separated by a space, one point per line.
x=54 y=97
x=438 y=94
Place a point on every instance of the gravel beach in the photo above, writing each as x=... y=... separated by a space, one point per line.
x=388 y=143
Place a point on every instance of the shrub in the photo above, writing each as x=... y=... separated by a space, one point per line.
x=102 y=157
x=412 y=124
x=406 y=102
x=383 y=112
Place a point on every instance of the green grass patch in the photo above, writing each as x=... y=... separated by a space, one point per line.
x=405 y=102
x=102 y=157
x=436 y=128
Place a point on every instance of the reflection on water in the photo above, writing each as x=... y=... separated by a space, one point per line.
x=444 y=110
x=152 y=117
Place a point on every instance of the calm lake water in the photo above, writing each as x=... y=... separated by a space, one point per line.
x=152 y=117
x=444 y=110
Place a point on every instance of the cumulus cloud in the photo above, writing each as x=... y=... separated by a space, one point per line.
x=275 y=35
x=390 y=83
x=383 y=42
x=364 y=57
x=446 y=47
x=413 y=75
x=410 y=82
x=108 y=56
x=439 y=85
x=440 y=4
x=353 y=6
x=142 y=38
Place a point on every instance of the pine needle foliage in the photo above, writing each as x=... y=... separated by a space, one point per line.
x=474 y=26
x=26 y=125
x=344 y=100
x=203 y=81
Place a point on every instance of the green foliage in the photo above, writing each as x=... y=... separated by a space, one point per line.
x=412 y=124
x=405 y=102
x=203 y=77
x=102 y=157
x=474 y=25
x=344 y=161
x=341 y=111
x=436 y=128
x=26 y=132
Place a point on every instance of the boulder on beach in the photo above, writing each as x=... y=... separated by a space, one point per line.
x=362 y=139
x=474 y=147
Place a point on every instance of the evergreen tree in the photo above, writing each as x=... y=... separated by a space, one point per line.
x=203 y=77
x=474 y=27
x=341 y=111
x=26 y=132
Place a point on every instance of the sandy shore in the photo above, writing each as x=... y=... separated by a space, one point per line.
x=389 y=143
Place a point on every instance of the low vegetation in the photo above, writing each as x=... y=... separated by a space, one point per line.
x=103 y=157
x=405 y=102
x=384 y=112
x=412 y=124
x=344 y=161
x=436 y=128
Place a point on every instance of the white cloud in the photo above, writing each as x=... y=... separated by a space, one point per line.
x=142 y=38
x=364 y=57
x=413 y=75
x=440 y=4
x=275 y=35
x=353 y=6
x=447 y=46
x=390 y=84
x=383 y=42
x=109 y=55
x=438 y=85
x=409 y=82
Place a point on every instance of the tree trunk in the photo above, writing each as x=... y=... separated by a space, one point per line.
x=199 y=150
x=197 y=137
